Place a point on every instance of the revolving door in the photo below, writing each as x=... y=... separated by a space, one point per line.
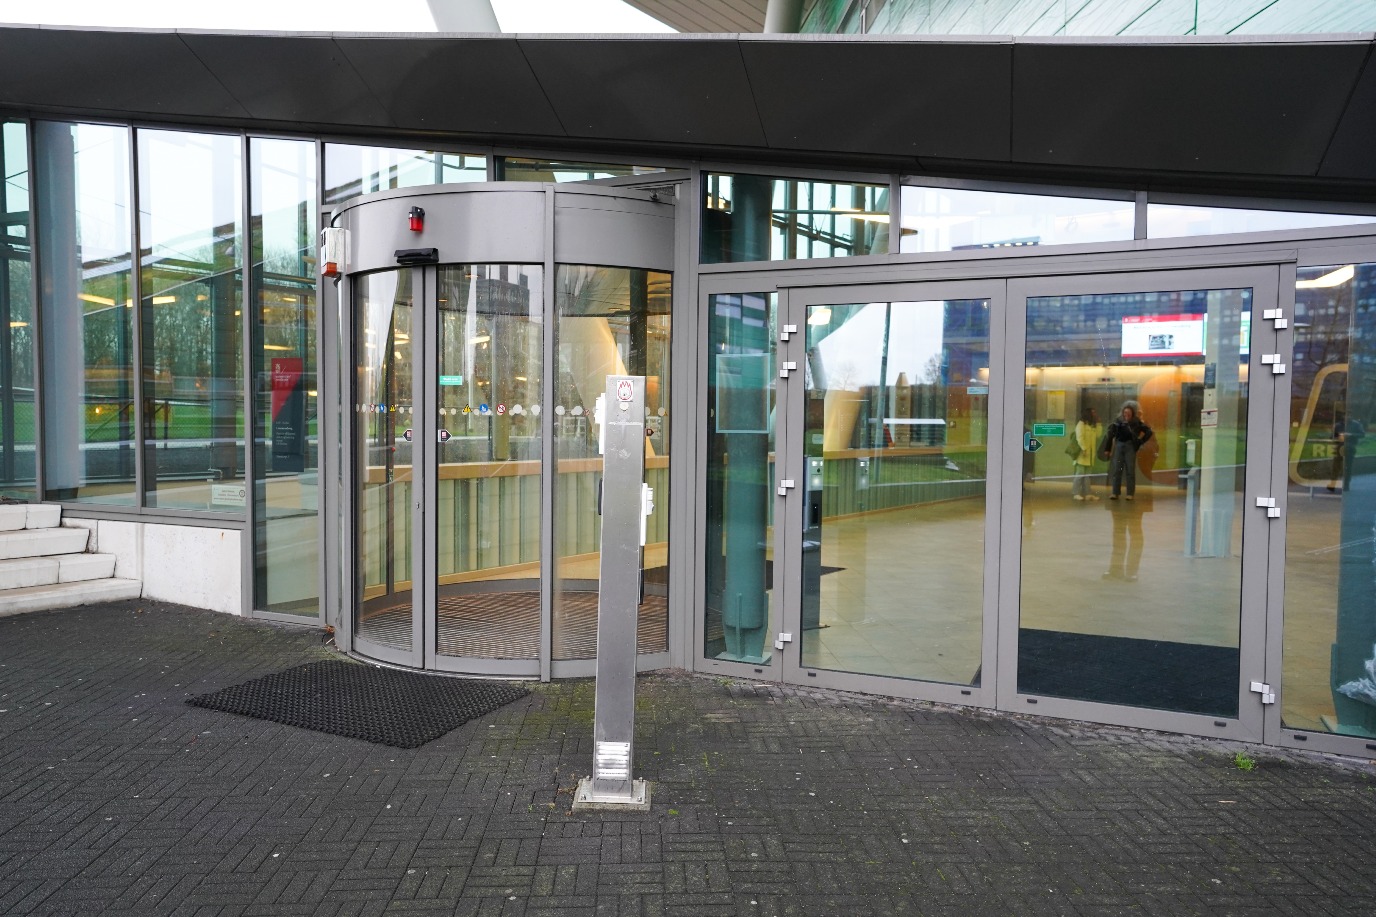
x=472 y=500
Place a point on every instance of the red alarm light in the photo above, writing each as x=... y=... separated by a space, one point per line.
x=417 y=216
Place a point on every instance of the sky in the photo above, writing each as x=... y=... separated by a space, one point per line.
x=548 y=16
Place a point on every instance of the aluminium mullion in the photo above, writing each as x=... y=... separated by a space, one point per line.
x=425 y=471
x=327 y=456
x=423 y=427
x=35 y=259
x=136 y=284
x=1273 y=724
x=548 y=459
x=684 y=425
x=248 y=542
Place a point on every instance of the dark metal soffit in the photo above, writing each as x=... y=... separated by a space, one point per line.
x=1292 y=114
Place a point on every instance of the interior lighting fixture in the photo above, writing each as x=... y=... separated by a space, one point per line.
x=820 y=316
x=19 y=324
x=1334 y=278
x=164 y=300
x=276 y=347
x=98 y=300
x=481 y=339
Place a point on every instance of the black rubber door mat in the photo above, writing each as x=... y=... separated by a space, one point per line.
x=384 y=706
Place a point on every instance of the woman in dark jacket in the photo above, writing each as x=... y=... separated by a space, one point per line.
x=1121 y=442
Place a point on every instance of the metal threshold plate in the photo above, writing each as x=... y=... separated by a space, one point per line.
x=585 y=800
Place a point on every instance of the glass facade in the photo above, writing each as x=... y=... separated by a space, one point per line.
x=1171 y=220
x=609 y=321
x=739 y=569
x=86 y=288
x=284 y=402
x=1330 y=607
x=18 y=430
x=511 y=168
x=190 y=252
x=755 y=218
x=352 y=170
x=951 y=219
x=1097 y=18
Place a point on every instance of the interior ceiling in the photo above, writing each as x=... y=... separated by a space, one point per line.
x=722 y=16
x=1291 y=116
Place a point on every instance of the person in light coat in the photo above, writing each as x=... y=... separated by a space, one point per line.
x=1087 y=433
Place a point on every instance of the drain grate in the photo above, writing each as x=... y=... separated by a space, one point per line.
x=383 y=706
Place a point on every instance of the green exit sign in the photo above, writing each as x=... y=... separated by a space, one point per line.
x=1048 y=429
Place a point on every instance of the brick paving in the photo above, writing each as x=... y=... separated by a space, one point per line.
x=116 y=798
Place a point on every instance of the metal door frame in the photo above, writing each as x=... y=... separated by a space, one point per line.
x=788 y=509
x=1263 y=477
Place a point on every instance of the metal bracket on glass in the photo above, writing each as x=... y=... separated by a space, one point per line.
x=1267 y=695
x=1269 y=504
x=785 y=486
x=784 y=369
x=1277 y=316
x=788 y=331
x=1273 y=360
x=781 y=640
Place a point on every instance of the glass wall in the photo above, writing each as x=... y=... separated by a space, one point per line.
x=755 y=218
x=1329 y=676
x=286 y=542
x=1170 y=220
x=86 y=289
x=951 y=219
x=354 y=170
x=17 y=423
x=740 y=476
x=1132 y=506
x=610 y=321
x=190 y=251
x=559 y=170
x=896 y=436
x=490 y=340
x=382 y=398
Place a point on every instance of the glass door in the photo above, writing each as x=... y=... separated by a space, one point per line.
x=1137 y=530
x=387 y=622
x=887 y=505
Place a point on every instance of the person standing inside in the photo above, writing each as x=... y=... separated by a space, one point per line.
x=1086 y=435
x=1122 y=440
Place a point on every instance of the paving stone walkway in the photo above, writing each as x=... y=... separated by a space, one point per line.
x=116 y=798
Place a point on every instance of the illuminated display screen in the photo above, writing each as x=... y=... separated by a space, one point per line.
x=1163 y=335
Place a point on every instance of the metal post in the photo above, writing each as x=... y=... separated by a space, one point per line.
x=624 y=508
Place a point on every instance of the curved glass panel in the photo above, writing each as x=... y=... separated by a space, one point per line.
x=191 y=240
x=1329 y=676
x=611 y=321
x=896 y=437
x=1132 y=547
x=490 y=340
x=88 y=312
x=382 y=458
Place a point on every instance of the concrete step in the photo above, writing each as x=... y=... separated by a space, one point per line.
x=42 y=542
x=23 y=572
x=16 y=516
x=65 y=595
